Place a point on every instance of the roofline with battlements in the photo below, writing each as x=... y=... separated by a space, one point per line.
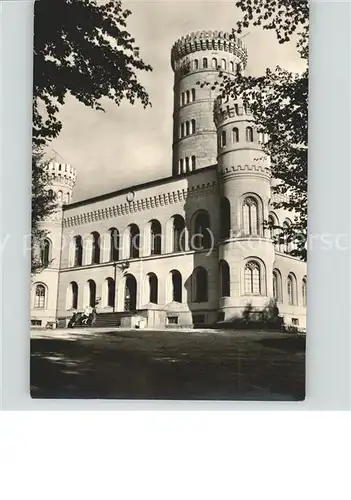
x=208 y=40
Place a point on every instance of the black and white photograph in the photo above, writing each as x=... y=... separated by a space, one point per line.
x=169 y=200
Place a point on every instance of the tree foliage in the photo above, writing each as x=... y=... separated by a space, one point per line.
x=82 y=48
x=279 y=103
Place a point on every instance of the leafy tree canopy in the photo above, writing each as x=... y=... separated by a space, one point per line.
x=82 y=47
x=279 y=103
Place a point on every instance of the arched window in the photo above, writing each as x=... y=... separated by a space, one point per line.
x=196 y=64
x=72 y=301
x=193 y=126
x=200 y=285
x=223 y=138
x=252 y=278
x=214 y=63
x=39 y=297
x=277 y=286
x=271 y=224
x=193 y=94
x=156 y=236
x=130 y=293
x=134 y=241
x=304 y=292
x=231 y=66
x=153 y=288
x=92 y=293
x=292 y=291
x=78 y=251
x=187 y=168
x=238 y=68
x=45 y=251
x=202 y=236
x=178 y=234
x=183 y=99
x=68 y=197
x=187 y=128
x=250 y=216
x=193 y=162
x=274 y=230
x=181 y=167
x=176 y=286
x=249 y=134
x=187 y=96
x=286 y=237
x=235 y=134
x=225 y=278
x=182 y=130
x=114 y=244
x=225 y=218
x=204 y=62
x=111 y=292
x=59 y=196
x=224 y=64
x=95 y=254
x=51 y=193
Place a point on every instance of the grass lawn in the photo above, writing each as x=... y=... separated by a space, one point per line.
x=141 y=364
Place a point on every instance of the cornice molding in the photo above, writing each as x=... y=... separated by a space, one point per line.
x=149 y=203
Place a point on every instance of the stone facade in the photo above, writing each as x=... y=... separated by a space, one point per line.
x=187 y=249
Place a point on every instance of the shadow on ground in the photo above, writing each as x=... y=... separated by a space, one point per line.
x=170 y=365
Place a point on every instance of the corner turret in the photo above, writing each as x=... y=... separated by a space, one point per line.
x=62 y=179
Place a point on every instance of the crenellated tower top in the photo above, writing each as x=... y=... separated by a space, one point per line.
x=227 y=108
x=62 y=173
x=205 y=41
x=62 y=178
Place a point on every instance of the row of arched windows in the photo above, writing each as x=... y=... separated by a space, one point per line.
x=188 y=128
x=62 y=197
x=251 y=217
x=199 y=239
x=254 y=283
x=187 y=97
x=187 y=164
x=291 y=288
x=199 y=293
x=254 y=278
x=252 y=223
x=280 y=234
x=235 y=136
x=216 y=64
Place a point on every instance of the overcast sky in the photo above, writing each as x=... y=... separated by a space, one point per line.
x=128 y=145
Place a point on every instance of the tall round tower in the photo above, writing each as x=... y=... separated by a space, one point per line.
x=199 y=57
x=245 y=249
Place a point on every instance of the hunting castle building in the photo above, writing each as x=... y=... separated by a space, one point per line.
x=187 y=249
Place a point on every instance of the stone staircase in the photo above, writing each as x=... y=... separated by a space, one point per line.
x=111 y=319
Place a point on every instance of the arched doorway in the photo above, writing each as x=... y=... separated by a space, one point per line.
x=92 y=293
x=153 y=288
x=176 y=286
x=130 y=293
x=110 y=292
